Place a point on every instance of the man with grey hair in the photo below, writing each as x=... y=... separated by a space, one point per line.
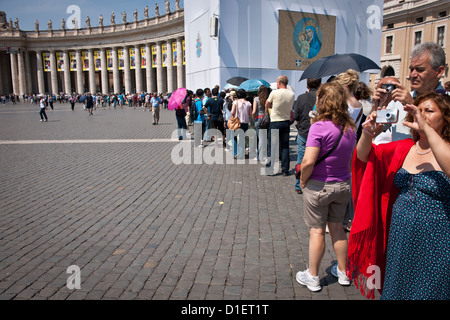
x=426 y=69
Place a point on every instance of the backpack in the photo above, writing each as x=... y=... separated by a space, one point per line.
x=195 y=111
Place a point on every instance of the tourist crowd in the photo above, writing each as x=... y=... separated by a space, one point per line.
x=371 y=163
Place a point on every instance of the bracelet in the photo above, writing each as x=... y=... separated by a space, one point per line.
x=370 y=134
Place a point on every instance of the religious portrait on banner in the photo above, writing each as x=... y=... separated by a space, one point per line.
x=132 y=58
x=121 y=56
x=46 y=61
x=143 y=58
x=304 y=38
x=97 y=60
x=109 y=60
x=153 y=56
x=174 y=54
x=73 y=61
x=60 y=61
x=85 y=60
x=164 y=54
x=184 y=51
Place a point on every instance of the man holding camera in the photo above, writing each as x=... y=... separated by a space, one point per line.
x=426 y=69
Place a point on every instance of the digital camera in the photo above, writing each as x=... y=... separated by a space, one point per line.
x=389 y=87
x=387 y=116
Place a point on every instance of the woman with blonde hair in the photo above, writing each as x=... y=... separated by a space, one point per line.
x=349 y=80
x=325 y=181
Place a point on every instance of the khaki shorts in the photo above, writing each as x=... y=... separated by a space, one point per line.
x=325 y=202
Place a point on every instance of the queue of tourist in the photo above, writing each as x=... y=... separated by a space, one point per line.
x=374 y=164
x=371 y=163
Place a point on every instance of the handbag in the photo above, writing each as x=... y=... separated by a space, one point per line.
x=264 y=123
x=180 y=112
x=234 y=123
x=298 y=167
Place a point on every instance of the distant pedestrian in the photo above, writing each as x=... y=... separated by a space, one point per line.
x=72 y=102
x=43 y=106
x=50 y=101
x=156 y=108
x=89 y=104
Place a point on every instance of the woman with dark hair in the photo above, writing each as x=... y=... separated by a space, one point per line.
x=401 y=228
x=241 y=109
x=259 y=106
x=325 y=180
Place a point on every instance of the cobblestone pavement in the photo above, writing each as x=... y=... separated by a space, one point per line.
x=73 y=192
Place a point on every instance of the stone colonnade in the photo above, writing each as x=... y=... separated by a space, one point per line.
x=136 y=68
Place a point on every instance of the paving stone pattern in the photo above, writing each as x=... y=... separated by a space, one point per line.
x=138 y=226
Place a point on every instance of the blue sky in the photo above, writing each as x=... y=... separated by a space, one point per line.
x=27 y=11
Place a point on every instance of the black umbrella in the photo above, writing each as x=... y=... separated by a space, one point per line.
x=337 y=64
x=236 y=81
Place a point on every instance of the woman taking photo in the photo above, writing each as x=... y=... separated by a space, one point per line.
x=400 y=237
x=325 y=180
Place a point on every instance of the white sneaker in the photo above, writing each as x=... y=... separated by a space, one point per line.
x=342 y=277
x=306 y=279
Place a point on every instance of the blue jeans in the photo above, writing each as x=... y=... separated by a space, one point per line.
x=301 y=146
x=263 y=143
x=181 y=122
x=284 y=130
x=239 y=148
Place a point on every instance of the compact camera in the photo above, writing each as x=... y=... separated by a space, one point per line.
x=387 y=116
x=389 y=87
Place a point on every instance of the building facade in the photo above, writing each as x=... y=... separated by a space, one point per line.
x=121 y=57
x=407 y=23
x=265 y=39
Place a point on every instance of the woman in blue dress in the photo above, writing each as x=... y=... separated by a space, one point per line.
x=418 y=246
x=314 y=42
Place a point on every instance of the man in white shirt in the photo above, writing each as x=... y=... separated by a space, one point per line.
x=281 y=102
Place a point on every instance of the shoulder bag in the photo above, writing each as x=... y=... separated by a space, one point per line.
x=234 y=123
x=298 y=167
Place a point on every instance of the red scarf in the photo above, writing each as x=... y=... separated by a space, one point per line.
x=374 y=195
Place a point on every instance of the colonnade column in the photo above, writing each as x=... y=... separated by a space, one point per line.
x=67 y=83
x=80 y=85
x=105 y=82
x=2 y=89
x=138 y=69
x=53 y=73
x=28 y=72
x=115 y=61
x=180 y=67
x=170 y=79
x=92 y=84
x=40 y=72
x=22 y=73
x=14 y=71
x=161 y=85
x=149 y=71
x=127 y=71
